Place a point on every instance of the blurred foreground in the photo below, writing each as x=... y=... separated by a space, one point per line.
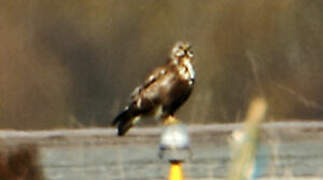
x=286 y=150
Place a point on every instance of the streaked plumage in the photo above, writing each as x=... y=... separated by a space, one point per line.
x=163 y=92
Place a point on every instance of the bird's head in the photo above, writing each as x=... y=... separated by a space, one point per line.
x=181 y=50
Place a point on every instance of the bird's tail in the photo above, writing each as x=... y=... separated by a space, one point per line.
x=124 y=121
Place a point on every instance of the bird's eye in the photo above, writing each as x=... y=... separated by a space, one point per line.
x=180 y=53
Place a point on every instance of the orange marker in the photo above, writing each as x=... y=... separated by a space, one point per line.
x=175 y=172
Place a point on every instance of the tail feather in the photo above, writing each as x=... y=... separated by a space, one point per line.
x=124 y=122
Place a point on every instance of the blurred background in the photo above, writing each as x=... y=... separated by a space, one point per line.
x=74 y=63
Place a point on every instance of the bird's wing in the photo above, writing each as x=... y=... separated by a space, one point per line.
x=153 y=77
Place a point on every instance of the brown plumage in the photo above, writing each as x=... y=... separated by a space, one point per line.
x=163 y=92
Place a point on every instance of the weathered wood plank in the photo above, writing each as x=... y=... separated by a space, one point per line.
x=292 y=149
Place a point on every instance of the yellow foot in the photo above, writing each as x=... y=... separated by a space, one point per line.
x=170 y=120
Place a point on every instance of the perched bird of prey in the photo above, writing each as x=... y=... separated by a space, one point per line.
x=163 y=92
